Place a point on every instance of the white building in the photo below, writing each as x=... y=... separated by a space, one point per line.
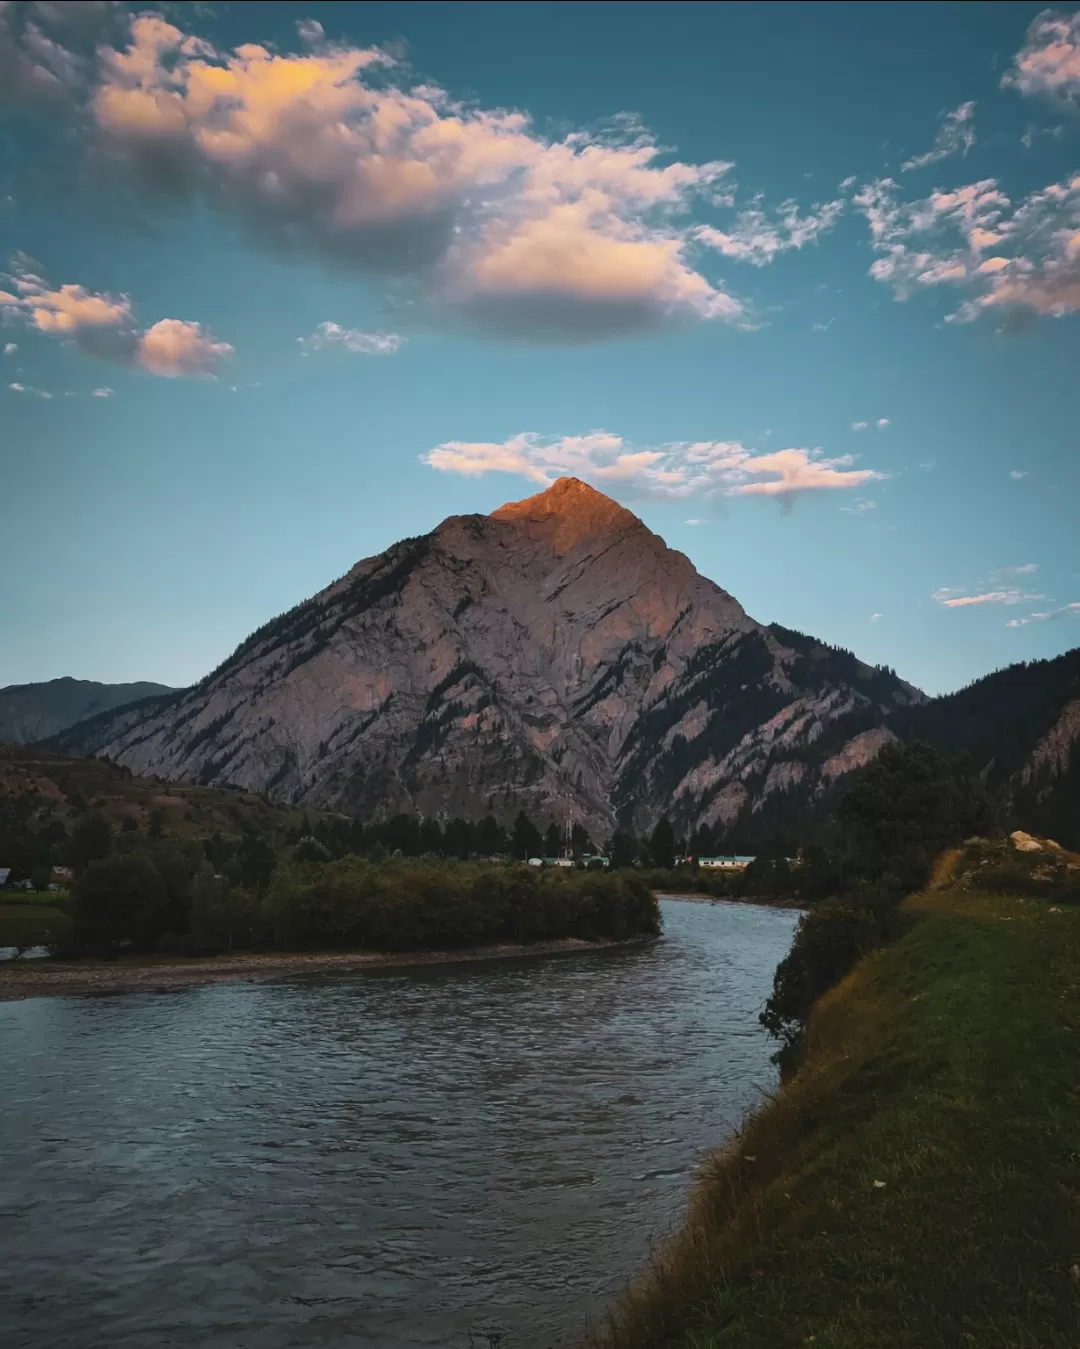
x=736 y=862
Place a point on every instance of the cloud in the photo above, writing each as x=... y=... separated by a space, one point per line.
x=860 y=507
x=953 y=601
x=1016 y=474
x=16 y=387
x=172 y=348
x=672 y=471
x=337 y=154
x=103 y=392
x=875 y=617
x=756 y=239
x=10 y=348
x=310 y=32
x=882 y=423
x=1000 y=588
x=1022 y=257
x=1065 y=611
x=104 y=326
x=859 y=426
x=1049 y=61
x=956 y=135
x=695 y=522
x=352 y=339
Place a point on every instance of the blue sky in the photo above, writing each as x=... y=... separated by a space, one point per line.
x=798 y=284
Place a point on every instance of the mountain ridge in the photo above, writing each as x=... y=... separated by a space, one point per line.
x=32 y=712
x=555 y=655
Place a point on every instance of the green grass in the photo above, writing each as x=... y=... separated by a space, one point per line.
x=948 y=1067
x=31 y=924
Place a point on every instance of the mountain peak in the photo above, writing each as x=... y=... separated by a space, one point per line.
x=571 y=511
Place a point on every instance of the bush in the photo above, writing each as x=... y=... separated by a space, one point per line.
x=829 y=939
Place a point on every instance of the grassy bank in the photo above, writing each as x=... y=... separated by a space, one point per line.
x=918 y=1182
x=32 y=923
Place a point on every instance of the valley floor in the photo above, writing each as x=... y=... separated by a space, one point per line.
x=41 y=978
x=918 y=1182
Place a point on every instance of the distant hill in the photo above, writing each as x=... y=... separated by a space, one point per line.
x=30 y=712
x=61 y=790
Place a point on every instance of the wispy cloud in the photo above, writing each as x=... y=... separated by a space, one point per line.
x=10 y=348
x=1000 y=588
x=859 y=426
x=350 y=339
x=1064 y=611
x=104 y=325
x=882 y=423
x=956 y=135
x=1017 y=473
x=758 y=239
x=103 y=392
x=17 y=387
x=670 y=471
x=1049 y=61
x=874 y=618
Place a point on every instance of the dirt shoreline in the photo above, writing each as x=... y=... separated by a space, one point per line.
x=45 y=978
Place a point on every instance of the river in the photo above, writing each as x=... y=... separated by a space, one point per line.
x=378 y=1161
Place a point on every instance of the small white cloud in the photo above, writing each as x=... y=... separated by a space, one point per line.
x=10 y=348
x=859 y=426
x=103 y=392
x=310 y=32
x=16 y=387
x=882 y=423
x=860 y=507
x=19 y=388
x=695 y=522
x=351 y=339
x=822 y=327
x=874 y=617
x=1016 y=474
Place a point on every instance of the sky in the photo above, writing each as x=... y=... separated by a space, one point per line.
x=282 y=284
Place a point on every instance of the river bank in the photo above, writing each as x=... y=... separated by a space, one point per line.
x=696 y=897
x=915 y=1183
x=44 y=978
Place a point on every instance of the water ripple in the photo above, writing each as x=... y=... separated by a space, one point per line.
x=378 y=1161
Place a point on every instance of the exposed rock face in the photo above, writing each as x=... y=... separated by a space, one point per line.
x=553 y=655
x=1052 y=755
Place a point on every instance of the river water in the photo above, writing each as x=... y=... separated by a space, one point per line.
x=372 y=1161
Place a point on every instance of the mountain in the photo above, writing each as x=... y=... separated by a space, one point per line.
x=555 y=655
x=1021 y=728
x=30 y=712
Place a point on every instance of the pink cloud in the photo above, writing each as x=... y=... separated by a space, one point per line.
x=172 y=348
x=104 y=325
x=1049 y=61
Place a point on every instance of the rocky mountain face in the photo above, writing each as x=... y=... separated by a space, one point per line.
x=30 y=712
x=555 y=655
